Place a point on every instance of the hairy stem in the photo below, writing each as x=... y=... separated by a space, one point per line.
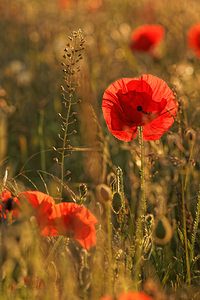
x=140 y=216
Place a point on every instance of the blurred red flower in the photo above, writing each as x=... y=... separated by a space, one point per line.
x=133 y=296
x=41 y=206
x=129 y=296
x=74 y=221
x=145 y=101
x=63 y=4
x=193 y=38
x=9 y=204
x=146 y=37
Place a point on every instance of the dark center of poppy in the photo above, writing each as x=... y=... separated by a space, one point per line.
x=9 y=204
x=139 y=108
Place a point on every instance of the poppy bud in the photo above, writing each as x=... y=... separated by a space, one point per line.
x=83 y=190
x=104 y=193
x=162 y=231
x=117 y=202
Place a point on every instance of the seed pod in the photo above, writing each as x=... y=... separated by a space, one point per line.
x=104 y=193
x=83 y=190
x=116 y=202
x=163 y=231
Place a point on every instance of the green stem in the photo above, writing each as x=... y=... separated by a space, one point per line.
x=140 y=216
x=53 y=249
x=109 y=245
x=196 y=224
x=142 y=170
x=41 y=136
x=64 y=143
x=185 y=234
x=120 y=188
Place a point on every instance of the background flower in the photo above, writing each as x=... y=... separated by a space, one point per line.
x=74 y=221
x=193 y=38
x=146 y=37
x=9 y=204
x=145 y=101
x=41 y=206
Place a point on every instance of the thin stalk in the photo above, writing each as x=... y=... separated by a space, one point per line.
x=109 y=249
x=196 y=223
x=41 y=136
x=140 y=216
x=185 y=234
x=53 y=249
x=142 y=169
x=64 y=143
x=120 y=188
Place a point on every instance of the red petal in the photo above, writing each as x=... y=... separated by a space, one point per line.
x=133 y=296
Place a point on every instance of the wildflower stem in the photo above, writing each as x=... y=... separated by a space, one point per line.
x=64 y=143
x=140 y=216
x=53 y=249
x=41 y=136
x=109 y=249
x=142 y=170
x=185 y=234
x=120 y=188
x=196 y=223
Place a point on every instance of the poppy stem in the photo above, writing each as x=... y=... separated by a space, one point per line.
x=142 y=170
x=140 y=216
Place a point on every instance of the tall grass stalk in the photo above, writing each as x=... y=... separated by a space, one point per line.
x=109 y=248
x=185 y=233
x=196 y=223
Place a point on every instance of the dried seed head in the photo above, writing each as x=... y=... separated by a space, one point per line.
x=117 y=202
x=104 y=193
x=162 y=231
x=191 y=134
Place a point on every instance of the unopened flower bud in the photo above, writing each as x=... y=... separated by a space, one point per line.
x=163 y=231
x=117 y=202
x=104 y=193
x=83 y=190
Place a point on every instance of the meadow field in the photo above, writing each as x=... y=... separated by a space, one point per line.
x=99 y=149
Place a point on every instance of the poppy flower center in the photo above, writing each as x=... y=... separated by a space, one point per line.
x=9 y=204
x=139 y=108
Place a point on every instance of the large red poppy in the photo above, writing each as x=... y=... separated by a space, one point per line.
x=41 y=206
x=145 y=101
x=9 y=204
x=193 y=38
x=72 y=220
x=146 y=37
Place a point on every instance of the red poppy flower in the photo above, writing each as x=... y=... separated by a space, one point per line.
x=9 y=204
x=129 y=296
x=74 y=221
x=63 y=4
x=41 y=205
x=145 y=101
x=146 y=37
x=193 y=38
x=133 y=296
